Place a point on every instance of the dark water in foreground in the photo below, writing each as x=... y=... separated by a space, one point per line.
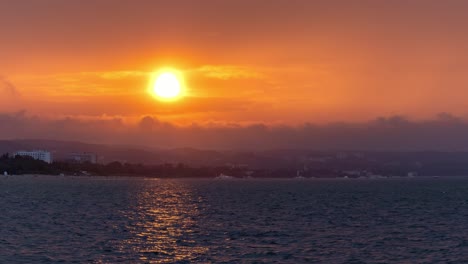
x=96 y=220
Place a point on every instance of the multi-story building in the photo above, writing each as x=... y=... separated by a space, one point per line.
x=43 y=155
x=82 y=157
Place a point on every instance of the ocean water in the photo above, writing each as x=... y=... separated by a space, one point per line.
x=121 y=220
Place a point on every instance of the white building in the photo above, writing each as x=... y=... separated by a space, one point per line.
x=82 y=157
x=36 y=154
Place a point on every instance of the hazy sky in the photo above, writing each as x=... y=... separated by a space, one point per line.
x=272 y=62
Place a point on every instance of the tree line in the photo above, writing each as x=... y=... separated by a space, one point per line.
x=18 y=165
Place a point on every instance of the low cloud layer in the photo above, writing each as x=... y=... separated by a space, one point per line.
x=444 y=132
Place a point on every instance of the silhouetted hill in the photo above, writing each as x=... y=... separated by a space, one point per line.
x=60 y=149
x=425 y=162
x=109 y=153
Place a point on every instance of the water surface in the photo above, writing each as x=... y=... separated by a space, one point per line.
x=121 y=220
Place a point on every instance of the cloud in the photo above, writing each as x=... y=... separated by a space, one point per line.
x=8 y=87
x=226 y=72
x=120 y=74
x=444 y=132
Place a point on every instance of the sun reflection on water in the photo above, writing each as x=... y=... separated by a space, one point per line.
x=163 y=225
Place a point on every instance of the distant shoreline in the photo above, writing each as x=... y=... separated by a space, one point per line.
x=233 y=178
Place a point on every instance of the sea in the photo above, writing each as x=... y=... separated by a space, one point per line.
x=52 y=219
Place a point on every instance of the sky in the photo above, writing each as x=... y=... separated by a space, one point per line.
x=277 y=64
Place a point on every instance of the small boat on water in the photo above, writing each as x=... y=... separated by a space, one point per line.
x=223 y=176
x=299 y=176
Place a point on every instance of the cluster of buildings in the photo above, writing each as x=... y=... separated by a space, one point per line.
x=46 y=156
x=85 y=157
x=43 y=155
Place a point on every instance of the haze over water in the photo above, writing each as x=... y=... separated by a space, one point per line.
x=111 y=220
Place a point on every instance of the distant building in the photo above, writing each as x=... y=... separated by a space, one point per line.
x=82 y=157
x=342 y=155
x=43 y=155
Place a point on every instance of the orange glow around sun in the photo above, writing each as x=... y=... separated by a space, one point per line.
x=167 y=85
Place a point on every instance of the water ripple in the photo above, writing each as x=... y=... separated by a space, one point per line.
x=118 y=220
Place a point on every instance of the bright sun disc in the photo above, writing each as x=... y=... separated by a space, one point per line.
x=167 y=86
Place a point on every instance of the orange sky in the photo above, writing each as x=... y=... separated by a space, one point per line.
x=280 y=62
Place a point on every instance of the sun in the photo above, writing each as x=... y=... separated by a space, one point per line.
x=167 y=85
